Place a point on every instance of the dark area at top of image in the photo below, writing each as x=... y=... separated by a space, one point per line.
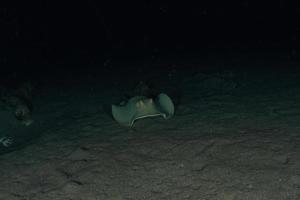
x=61 y=32
x=42 y=39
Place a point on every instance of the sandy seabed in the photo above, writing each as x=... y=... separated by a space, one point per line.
x=231 y=138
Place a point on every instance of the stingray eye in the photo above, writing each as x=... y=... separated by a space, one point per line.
x=137 y=104
x=140 y=103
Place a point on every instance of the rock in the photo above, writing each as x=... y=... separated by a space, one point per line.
x=282 y=159
x=295 y=180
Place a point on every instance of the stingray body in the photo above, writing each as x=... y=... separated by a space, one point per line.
x=141 y=107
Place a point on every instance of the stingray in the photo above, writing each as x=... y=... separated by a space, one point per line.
x=138 y=107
